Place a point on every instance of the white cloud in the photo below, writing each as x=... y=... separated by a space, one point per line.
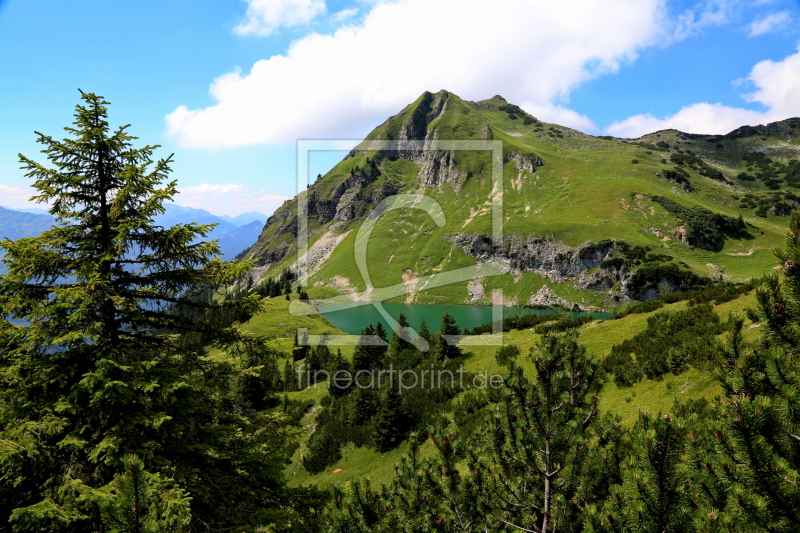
x=696 y=118
x=558 y=114
x=229 y=199
x=769 y=23
x=342 y=84
x=8 y=192
x=265 y=16
x=778 y=90
x=344 y=14
x=205 y=188
x=690 y=23
x=778 y=85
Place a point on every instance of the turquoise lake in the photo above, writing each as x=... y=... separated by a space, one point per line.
x=354 y=319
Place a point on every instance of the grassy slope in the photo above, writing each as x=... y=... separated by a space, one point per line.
x=647 y=395
x=586 y=191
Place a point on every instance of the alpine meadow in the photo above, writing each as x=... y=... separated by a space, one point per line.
x=475 y=321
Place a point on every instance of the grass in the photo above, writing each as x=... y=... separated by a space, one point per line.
x=656 y=396
x=588 y=190
x=598 y=336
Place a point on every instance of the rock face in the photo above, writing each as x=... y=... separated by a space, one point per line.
x=346 y=200
x=551 y=259
x=438 y=167
x=524 y=162
x=531 y=253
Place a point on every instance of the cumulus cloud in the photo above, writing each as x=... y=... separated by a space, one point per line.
x=342 y=84
x=265 y=16
x=778 y=90
x=695 y=118
x=769 y=23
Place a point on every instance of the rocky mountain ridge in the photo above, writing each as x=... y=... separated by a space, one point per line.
x=563 y=191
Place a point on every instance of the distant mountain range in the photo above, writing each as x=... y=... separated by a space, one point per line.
x=235 y=234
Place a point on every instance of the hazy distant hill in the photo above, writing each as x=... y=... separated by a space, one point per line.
x=234 y=234
x=246 y=218
x=17 y=224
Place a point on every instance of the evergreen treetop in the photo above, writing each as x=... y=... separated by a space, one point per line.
x=104 y=324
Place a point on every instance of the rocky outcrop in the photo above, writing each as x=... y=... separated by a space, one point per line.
x=324 y=206
x=523 y=162
x=597 y=267
x=784 y=209
x=538 y=254
x=437 y=168
x=545 y=298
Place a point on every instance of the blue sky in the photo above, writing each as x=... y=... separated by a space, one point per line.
x=228 y=86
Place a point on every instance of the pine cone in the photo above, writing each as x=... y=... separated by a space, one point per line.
x=778 y=308
x=790 y=267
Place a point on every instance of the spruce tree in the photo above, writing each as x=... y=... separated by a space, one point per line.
x=424 y=332
x=301 y=347
x=398 y=344
x=378 y=352
x=363 y=355
x=341 y=386
x=388 y=422
x=543 y=437
x=313 y=365
x=449 y=328
x=105 y=320
x=364 y=403
x=289 y=377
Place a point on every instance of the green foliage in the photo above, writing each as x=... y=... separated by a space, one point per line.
x=106 y=323
x=389 y=423
x=140 y=502
x=706 y=229
x=653 y=497
x=444 y=348
x=672 y=341
x=562 y=324
x=717 y=294
x=756 y=448
x=521 y=321
x=536 y=471
x=373 y=412
x=692 y=161
x=369 y=356
x=679 y=176
x=515 y=111
x=649 y=277
x=506 y=354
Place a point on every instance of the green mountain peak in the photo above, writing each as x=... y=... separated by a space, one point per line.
x=587 y=221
